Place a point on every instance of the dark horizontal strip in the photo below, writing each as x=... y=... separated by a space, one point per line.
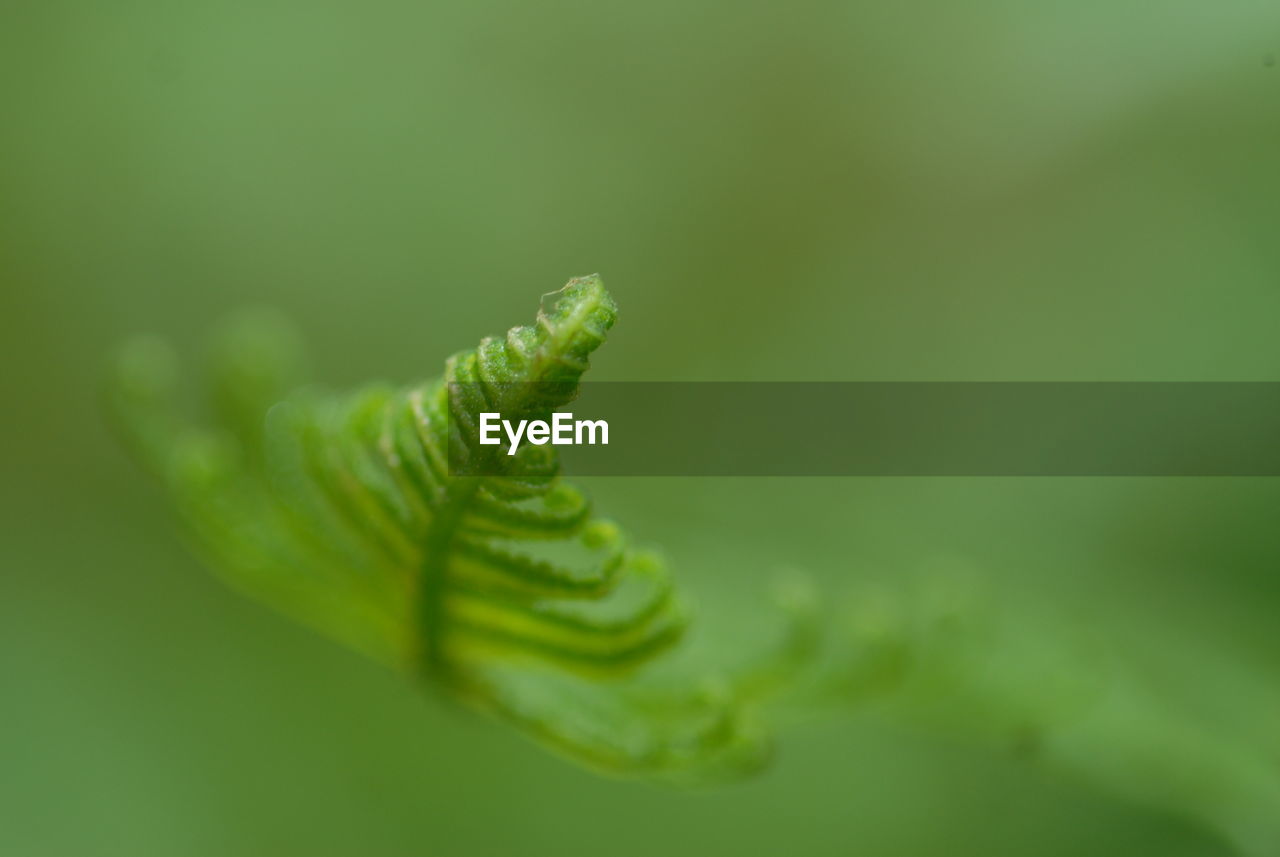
x=920 y=429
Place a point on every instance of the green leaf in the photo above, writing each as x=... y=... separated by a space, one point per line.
x=503 y=591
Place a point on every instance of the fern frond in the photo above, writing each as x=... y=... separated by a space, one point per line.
x=507 y=593
x=504 y=591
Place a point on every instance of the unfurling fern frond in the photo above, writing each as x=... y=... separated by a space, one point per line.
x=505 y=591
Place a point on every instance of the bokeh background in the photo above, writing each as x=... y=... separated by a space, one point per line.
x=862 y=190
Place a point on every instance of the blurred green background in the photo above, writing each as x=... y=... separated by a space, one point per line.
x=807 y=191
